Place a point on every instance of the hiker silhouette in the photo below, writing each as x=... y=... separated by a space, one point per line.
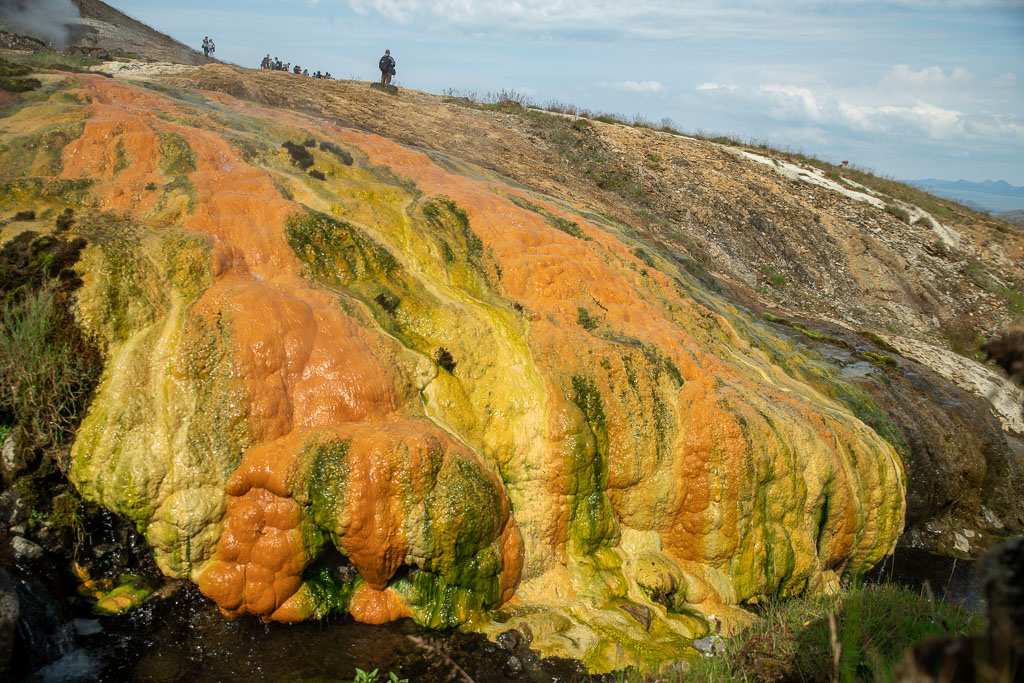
x=387 y=68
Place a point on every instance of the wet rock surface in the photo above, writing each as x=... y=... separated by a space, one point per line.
x=964 y=471
x=185 y=638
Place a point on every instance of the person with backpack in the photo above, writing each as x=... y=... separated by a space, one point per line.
x=387 y=68
x=206 y=46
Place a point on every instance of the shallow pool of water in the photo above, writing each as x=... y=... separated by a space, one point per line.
x=185 y=638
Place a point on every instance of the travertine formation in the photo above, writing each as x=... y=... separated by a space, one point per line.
x=400 y=387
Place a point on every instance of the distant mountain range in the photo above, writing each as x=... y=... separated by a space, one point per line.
x=993 y=196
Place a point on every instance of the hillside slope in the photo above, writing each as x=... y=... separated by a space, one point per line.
x=116 y=30
x=734 y=215
x=401 y=356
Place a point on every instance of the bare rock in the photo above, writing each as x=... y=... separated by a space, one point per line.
x=641 y=613
x=25 y=550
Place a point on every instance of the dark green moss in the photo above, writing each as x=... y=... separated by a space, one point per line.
x=178 y=186
x=122 y=160
x=388 y=301
x=176 y=155
x=565 y=225
x=644 y=256
x=65 y=220
x=16 y=84
x=18 y=192
x=879 y=342
x=38 y=154
x=12 y=69
x=342 y=155
x=810 y=334
x=884 y=362
x=327 y=483
x=336 y=252
x=331 y=582
x=445 y=215
x=591 y=521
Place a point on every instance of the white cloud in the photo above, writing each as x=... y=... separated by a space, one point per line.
x=877 y=112
x=1007 y=80
x=642 y=87
x=935 y=122
x=928 y=77
x=655 y=19
x=790 y=96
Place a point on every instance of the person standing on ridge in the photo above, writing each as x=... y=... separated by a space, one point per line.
x=387 y=68
x=206 y=46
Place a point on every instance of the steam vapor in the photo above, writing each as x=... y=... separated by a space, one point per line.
x=46 y=20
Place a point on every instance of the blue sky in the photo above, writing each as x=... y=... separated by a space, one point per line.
x=907 y=88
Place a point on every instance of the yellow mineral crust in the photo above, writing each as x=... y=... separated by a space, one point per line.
x=602 y=452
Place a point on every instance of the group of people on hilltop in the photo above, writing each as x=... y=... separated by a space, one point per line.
x=275 y=64
x=386 y=65
x=208 y=47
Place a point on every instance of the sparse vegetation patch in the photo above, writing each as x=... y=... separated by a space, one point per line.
x=898 y=211
x=871 y=628
x=300 y=156
x=341 y=154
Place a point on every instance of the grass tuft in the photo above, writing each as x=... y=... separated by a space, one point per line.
x=874 y=626
x=898 y=211
x=47 y=370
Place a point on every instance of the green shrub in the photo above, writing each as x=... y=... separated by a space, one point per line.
x=776 y=279
x=585 y=320
x=47 y=373
x=898 y=211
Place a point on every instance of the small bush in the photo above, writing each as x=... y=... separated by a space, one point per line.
x=25 y=216
x=388 y=302
x=341 y=154
x=444 y=358
x=65 y=220
x=964 y=338
x=585 y=320
x=898 y=211
x=300 y=155
x=317 y=174
x=777 y=280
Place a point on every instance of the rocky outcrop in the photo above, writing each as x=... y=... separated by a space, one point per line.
x=343 y=374
x=402 y=391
